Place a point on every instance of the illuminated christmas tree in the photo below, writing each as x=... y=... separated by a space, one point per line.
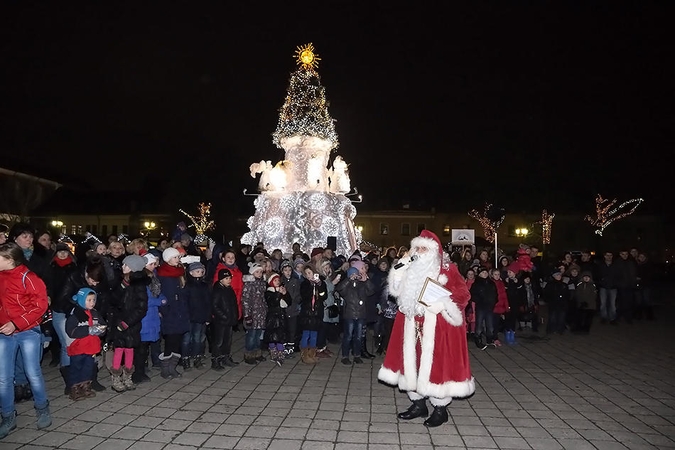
x=301 y=199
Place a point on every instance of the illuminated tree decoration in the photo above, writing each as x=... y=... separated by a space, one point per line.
x=606 y=212
x=490 y=220
x=303 y=199
x=305 y=109
x=201 y=223
x=546 y=223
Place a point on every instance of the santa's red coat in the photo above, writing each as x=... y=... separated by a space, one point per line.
x=435 y=362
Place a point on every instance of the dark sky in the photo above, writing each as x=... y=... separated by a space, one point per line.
x=525 y=104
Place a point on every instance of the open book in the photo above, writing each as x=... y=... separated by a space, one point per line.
x=432 y=291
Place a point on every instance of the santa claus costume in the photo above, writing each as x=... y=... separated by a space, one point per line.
x=427 y=354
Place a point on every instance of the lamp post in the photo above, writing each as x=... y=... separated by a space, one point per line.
x=522 y=232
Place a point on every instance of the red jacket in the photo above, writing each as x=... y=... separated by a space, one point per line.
x=502 y=306
x=23 y=298
x=237 y=283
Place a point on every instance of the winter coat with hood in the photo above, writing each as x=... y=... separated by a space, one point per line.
x=151 y=325
x=484 y=293
x=355 y=295
x=129 y=305
x=276 y=320
x=23 y=298
x=253 y=303
x=198 y=296
x=174 y=310
x=313 y=294
x=64 y=303
x=586 y=293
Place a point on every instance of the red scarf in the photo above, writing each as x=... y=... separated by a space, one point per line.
x=63 y=262
x=166 y=270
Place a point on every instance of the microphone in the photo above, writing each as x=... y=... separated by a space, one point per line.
x=399 y=265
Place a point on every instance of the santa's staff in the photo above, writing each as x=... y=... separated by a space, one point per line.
x=427 y=354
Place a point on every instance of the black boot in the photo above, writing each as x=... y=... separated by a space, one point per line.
x=217 y=363
x=364 y=349
x=140 y=364
x=55 y=351
x=438 y=417
x=479 y=343
x=95 y=385
x=64 y=374
x=417 y=409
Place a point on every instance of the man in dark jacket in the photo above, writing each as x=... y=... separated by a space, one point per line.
x=354 y=289
x=626 y=284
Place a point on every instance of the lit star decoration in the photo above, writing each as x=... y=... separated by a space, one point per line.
x=546 y=223
x=201 y=223
x=305 y=109
x=489 y=225
x=303 y=198
x=606 y=212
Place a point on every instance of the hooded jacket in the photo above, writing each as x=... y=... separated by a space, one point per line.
x=23 y=298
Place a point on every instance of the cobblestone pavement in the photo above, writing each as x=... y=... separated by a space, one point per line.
x=612 y=389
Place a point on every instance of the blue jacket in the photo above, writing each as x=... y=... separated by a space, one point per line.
x=151 y=325
x=198 y=296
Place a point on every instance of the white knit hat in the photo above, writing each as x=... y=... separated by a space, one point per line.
x=169 y=253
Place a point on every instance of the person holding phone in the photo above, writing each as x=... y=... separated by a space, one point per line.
x=355 y=289
x=313 y=295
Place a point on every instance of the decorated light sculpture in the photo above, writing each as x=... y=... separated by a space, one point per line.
x=201 y=223
x=490 y=220
x=606 y=212
x=546 y=223
x=301 y=198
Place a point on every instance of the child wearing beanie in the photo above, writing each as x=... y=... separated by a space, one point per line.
x=86 y=326
x=277 y=300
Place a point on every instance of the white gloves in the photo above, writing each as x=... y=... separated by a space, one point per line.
x=436 y=307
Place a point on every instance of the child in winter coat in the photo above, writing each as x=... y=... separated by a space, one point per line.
x=556 y=295
x=501 y=307
x=86 y=326
x=198 y=296
x=515 y=294
x=151 y=331
x=313 y=294
x=484 y=296
x=255 y=313
x=225 y=314
x=128 y=307
x=277 y=300
x=586 y=296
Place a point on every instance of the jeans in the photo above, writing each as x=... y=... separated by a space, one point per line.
x=626 y=299
x=59 y=322
x=556 y=319
x=29 y=343
x=81 y=368
x=308 y=339
x=484 y=323
x=608 y=304
x=352 y=329
x=197 y=337
x=221 y=340
x=253 y=337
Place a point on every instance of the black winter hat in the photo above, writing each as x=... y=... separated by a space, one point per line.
x=224 y=273
x=18 y=229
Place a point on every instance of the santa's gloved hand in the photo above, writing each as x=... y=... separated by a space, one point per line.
x=436 y=307
x=283 y=304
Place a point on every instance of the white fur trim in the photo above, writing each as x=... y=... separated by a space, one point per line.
x=409 y=379
x=443 y=279
x=451 y=313
x=432 y=245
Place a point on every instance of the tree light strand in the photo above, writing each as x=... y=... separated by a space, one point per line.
x=546 y=223
x=201 y=223
x=489 y=226
x=606 y=213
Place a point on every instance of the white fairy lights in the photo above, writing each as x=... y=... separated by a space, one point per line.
x=546 y=223
x=486 y=220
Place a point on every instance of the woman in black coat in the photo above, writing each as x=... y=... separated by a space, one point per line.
x=128 y=307
x=313 y=294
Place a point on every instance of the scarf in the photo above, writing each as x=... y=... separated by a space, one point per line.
x=166 y=270
x=63 y=262
x=27 y=253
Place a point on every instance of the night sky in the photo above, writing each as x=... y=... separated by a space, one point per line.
x=540 y=105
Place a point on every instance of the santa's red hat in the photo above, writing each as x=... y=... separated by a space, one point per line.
x=429 y=240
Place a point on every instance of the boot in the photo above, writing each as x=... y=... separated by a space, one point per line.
x=77 y=392
x=228 y=359
x=304 y=356
x=87 y=390
x=479 y=343
x=165 y=367
x=417 y=409
x=7 y=424
x=312 y=355
x=438 y=417
x=95 y=385
x=289 y=351
x=199 y=362
x=259 y=356
x=217 y=363
x=116 y=380
x=65 y=375
x=275 y=356
x=175 y=359
x=185 y=362
x=364 y=349
x=140 y=363
x=249 y=358
x=126 y=378
x=44 y=418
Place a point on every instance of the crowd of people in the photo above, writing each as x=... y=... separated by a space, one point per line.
x=129 y=307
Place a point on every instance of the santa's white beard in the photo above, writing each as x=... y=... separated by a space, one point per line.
x=427 y=265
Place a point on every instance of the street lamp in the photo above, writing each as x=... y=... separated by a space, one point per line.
x=359 y=228
x=150 y=225
x=57 y=223
x=522 y=232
